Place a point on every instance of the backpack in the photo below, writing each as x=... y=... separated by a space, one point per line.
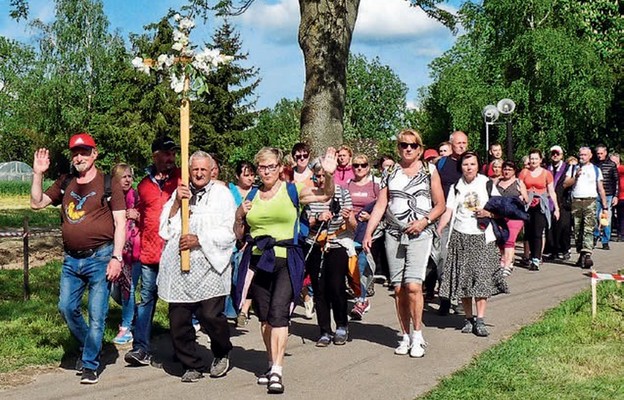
x=596 y=171
x=108 y=187
x=441 y=162
x=302 y=226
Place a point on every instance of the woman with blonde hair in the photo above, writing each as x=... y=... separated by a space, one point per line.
x=364 y=193
x=272 y=265
x=412 y=199
x=131 y=268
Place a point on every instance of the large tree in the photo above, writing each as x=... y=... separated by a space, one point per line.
x=69 y=79
x=325 y=33
x=534 y=53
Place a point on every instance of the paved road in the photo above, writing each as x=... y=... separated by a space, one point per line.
x=365 y=368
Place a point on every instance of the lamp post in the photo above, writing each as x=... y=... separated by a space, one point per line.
x=491 y=113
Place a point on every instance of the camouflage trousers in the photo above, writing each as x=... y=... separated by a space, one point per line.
x=584 y=215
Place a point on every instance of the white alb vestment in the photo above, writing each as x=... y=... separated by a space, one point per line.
x=212 y=212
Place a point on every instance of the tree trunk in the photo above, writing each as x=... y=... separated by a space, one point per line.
x=325 y=33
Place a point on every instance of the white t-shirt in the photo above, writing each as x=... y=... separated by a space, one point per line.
x=586 y=183
x=466 y=198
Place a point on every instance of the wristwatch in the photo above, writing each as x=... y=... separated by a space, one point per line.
x=118 y=258
x=429 y=221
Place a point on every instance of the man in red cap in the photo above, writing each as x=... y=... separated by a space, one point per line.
x=154 y=191
x=93 y=237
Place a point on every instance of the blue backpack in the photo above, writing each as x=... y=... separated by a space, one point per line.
x=302 y=226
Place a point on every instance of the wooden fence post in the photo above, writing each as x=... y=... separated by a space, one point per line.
x=26 y=267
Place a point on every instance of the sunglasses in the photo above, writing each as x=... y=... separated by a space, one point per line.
x=301 y=156
x=405 y=145
x=362 y=165
x=555 y=153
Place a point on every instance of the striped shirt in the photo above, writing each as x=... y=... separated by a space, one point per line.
x=341 y=199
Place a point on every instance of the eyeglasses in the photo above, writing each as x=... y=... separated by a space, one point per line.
x=267 y=168
x=358 y=165
x=405 y=145
x=301 y=156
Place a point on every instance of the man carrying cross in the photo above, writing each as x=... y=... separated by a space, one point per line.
x=202 y=290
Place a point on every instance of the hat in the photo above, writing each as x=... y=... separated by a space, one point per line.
x=81 y=140
x=163 y=144
x=430 y=153
x=557 y=148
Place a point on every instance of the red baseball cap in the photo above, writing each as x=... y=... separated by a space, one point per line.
x=430 y=153
x=81 y=140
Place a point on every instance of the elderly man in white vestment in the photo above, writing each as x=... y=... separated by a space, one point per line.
x=202 y=290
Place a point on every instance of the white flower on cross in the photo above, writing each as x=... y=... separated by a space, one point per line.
x=203 y=63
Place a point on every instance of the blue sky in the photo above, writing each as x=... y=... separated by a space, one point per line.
x=401 y=36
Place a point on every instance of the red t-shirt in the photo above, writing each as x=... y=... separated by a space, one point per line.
x=537 y=184
x=620 y=170
x=87 y=217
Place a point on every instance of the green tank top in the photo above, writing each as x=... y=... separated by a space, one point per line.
x=275 y=217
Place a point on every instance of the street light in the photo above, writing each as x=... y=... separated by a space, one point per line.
x=491 y=113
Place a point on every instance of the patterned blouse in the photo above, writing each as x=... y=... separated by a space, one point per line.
x=409 y=197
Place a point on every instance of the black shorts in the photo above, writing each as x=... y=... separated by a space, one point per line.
x=271 y=293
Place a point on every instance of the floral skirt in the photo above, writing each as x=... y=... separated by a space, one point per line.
x=472 y=268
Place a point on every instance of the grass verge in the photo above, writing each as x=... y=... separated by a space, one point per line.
x=33 y=332
x=14 y=218
x=565 y=356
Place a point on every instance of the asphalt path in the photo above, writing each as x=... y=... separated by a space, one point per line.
x=364 y=368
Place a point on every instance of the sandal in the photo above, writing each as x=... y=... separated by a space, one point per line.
x=507 y=271
x=263 y=379
x=275 y=385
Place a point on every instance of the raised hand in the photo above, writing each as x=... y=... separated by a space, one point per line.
x=41 y=163
x=329 y=161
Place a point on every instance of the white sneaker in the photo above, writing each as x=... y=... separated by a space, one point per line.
x=404 y=346
x=418 y=349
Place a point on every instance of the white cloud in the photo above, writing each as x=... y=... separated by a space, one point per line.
x=279 y=20
x=393 y=20
x=378 y=21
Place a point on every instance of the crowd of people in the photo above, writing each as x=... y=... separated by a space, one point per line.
x=313 y=231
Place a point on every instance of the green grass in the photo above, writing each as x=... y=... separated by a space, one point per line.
x=14 y=218
x=33 y=332
x=18 y=188
x=564 y=356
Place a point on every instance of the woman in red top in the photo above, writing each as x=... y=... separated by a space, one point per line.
x=539 y=185
x=619 y=210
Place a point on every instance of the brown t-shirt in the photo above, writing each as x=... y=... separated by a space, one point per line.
x=87 y=218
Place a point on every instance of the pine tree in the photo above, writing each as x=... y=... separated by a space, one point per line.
x=222 y=115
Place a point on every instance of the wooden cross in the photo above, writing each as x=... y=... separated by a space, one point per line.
x=185 y=128
x=185 y=132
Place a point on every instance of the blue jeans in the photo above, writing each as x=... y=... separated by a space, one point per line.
x=77 y=275
x=128 y=306
x=146 y=308
x=366 y=273
x=230 y=308
x=603 y=235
